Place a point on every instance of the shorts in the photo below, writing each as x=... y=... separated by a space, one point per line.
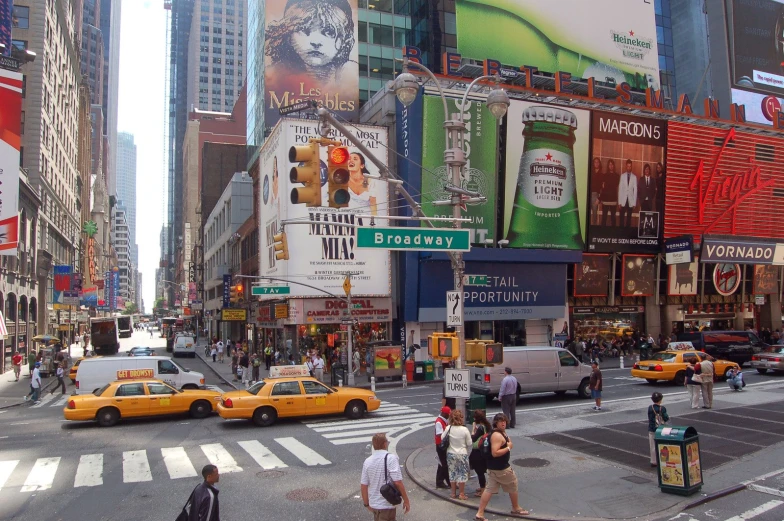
x=504 y=479
x=596 y=394
x=385 y=514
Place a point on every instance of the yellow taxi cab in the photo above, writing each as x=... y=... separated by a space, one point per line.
x=75 y=366
x=671 y=365
x=292 y=392
x=136 y=398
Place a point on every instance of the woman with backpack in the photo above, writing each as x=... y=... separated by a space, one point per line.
x=657 y=416
x=457 y=453
x=476 y=459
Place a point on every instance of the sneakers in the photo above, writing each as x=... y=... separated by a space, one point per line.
x=37 y=402
x=26 y=398
x=597 y=408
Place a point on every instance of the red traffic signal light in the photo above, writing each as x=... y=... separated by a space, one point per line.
x=338 y=158
x=338 y=155
x=239 y=288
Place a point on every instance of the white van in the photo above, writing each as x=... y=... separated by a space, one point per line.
x=537 y=369
x=184 y=345
x=97 y=372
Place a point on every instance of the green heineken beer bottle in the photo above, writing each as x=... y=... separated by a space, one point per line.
x=545 y=212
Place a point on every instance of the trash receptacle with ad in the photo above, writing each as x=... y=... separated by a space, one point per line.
x=678 y=458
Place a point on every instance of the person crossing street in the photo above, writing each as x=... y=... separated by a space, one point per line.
x=508 y=396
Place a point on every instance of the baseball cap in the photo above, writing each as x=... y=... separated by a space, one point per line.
x=446 y=411
x=37 y=364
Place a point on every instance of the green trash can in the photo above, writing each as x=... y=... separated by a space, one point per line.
x=477 y=402
x=678 y=460
x=430 y=370
x=419 y=371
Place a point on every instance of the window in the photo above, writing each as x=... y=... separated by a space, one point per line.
x=21 y=17
x=130 y=390
x=156 y=389
x=19 y=44
x=315 y=387
x=286 y=389
x=166 y=367
x=567 y=360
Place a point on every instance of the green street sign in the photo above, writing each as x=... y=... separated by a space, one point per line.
x=474 y=280
x=414 y=239
x=270 y=290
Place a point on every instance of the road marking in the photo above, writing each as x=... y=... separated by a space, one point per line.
x=6 y=468
x=20 y=423
x=220 y=457
x=305 y=454
x=412 y=419
x=44 y=400
x=754 y=512
x=266 y=459
x=42 y=475
x=89 y=473
x=61 y=401
x=367 y=432
x=766 y=490
x=136 y=467
x=177 y=463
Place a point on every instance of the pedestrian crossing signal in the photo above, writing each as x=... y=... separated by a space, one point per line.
x=443 y=345
x=481 y=353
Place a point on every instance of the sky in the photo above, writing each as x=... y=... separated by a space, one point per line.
x=142 y=112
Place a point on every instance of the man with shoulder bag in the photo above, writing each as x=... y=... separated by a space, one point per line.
x=381 y=483
x=202 y=504
x=707 y=375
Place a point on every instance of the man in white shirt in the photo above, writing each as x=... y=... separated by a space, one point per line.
x=373 y=478
x=627 y=195
x=220 y=351
x=318 y=367
x=35 y=384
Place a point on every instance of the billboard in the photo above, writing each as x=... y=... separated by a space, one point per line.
x=638 y=276
x=5 y=25
x=479 y=174
x=627 y=175
x=766 y=279
x=311 y=53
x=760 y=108
x=10 y=141
x=758 y=46
x=682 y=278
x=591 y=277
x=546 y=176
x=321 y=254
x=603 y=39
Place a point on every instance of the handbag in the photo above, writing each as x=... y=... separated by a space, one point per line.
x=388 y=489
x=184 y=514
x=445 y=439
x=697 y=378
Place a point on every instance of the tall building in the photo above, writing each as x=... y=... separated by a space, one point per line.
x=92 y=56
x=126 y=185
x=110 y=14
x=122 y=246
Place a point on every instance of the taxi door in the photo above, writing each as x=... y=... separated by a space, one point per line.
x=288 y=399
x=319 y=399
x=164 y=399
x=131 y=400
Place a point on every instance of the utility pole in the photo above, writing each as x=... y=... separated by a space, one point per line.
x=350 y=352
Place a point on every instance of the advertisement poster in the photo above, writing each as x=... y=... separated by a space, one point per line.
x=479 y=173
x=682 y=278
x=760 y=108
x=5 y=25
x=766 y=279
x=627 y=180
x=670 y=465
x=388 y=358
x=311 y=53
x=638 y=276
x=10 y=141
x=546 y=176
x=604 y=39
x=757 y=45
x=590 y=277
x=693 y=461
x=321 y=254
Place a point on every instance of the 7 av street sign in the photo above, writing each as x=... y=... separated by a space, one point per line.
x=416 y=239
x=270 y=290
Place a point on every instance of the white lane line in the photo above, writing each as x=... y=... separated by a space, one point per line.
x=262 y=455
x=304 y=453
x=368 y=432
x=42 y=475
x=367 y=439
x=61 y=401
x=136 y=467
x=371 y=417
x=766 y=490
x=44 y=400
x=177 y=463
x=366 y=424
x=20 y=423
x=6 y=468
x=89 y=473
x=754 y=512
x=220 y=457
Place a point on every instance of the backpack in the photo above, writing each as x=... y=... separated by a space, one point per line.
x=485 y=447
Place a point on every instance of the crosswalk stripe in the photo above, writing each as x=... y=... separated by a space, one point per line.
x=6 y=468
x=177 y=463
x=220 y=457
x=44 y=400
x=305 y=454
x=60 y=402
x=754 y=512
x=408 y=420
x=396 y=413
x=42 y=475
x=266 y=459
x=89 y=473
x=368 y=432
x=366 y=439
x=136 y=467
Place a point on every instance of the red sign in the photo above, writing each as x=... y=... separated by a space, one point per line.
x=723 y=182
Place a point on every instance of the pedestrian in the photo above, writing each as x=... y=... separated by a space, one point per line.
x=291 y=360
x=60 y=378
x=457 y=453
x=256 y=367
x=707 y=371
x=499 y=473
x=476 y=459
x=245 y=366
x=508 y=396
x=357 y=360
x=735 y=379
x=369 y=360
x=442 y=472
x=31 y=362
x=235 y=360
x=214 y=353
x=35 y=384
x=380 y=468
x=318 y=367
x=203 y=503
x=268 y=357
x=595 y=385
x=692 y=386
x=150 y=333
x=578 y=349
x=16 y=361
x=220 y=349
x=657 y=416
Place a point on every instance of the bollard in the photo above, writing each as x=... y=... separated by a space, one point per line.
x=622 y=367
x=405 y=381
x=373 y=383
x=340 y=382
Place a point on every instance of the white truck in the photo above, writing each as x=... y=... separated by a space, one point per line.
x=105 y=335
x=125 y=323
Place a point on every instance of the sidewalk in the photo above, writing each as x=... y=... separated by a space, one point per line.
x=557 y=483
x=12 y=392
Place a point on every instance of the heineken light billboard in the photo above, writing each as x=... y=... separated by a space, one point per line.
x=598 y=38
x=479 y=174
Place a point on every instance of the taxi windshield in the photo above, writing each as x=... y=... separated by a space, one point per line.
x=664 y=357
x=99 y=392
x=255 y=388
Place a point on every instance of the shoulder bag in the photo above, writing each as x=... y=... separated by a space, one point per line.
x=184 y=514
x=388 y=489
x=445 y=439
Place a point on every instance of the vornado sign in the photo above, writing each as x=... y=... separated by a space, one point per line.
x=741 y=251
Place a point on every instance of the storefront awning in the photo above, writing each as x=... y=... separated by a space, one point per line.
x=3 y=329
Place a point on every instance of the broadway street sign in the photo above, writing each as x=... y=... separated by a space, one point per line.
x=415 y=239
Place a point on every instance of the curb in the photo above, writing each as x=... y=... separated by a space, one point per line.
x=215 y=371
x=43 y=389
x=716 y=495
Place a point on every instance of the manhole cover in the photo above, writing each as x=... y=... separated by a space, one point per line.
x=531 y=462
x=636 y=479
x=307 y=494
x=270 y=474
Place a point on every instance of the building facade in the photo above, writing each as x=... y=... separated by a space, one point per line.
x=121 y=242
x=126 y=185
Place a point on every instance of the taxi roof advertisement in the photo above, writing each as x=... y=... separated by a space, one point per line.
x=321 y=254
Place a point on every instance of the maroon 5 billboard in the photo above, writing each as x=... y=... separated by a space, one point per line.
x=627 y=175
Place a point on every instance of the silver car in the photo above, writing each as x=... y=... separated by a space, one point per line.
x=769 y=359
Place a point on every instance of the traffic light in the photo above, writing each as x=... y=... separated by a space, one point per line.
x=443 y=345
x=281 y=245
x=481 y=352
x=337 y=166
x=308 y=173
x=236 y=296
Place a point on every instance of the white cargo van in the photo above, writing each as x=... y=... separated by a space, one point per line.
x=184 y=345
x=97 y=372
x=537 y=369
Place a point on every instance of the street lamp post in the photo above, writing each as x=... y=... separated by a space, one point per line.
x=406 y=90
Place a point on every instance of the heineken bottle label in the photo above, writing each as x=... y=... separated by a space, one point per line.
x=546 y=178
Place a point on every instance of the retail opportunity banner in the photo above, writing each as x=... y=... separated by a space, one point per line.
x=627 y=176
x=311 y=53
x=758 y=45
x=546 y=176
x=321 y=252
x=10 y=142
x=479 y=173
x=603 y=39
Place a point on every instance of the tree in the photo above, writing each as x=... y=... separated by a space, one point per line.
x=159 y=302
x=130 y=309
